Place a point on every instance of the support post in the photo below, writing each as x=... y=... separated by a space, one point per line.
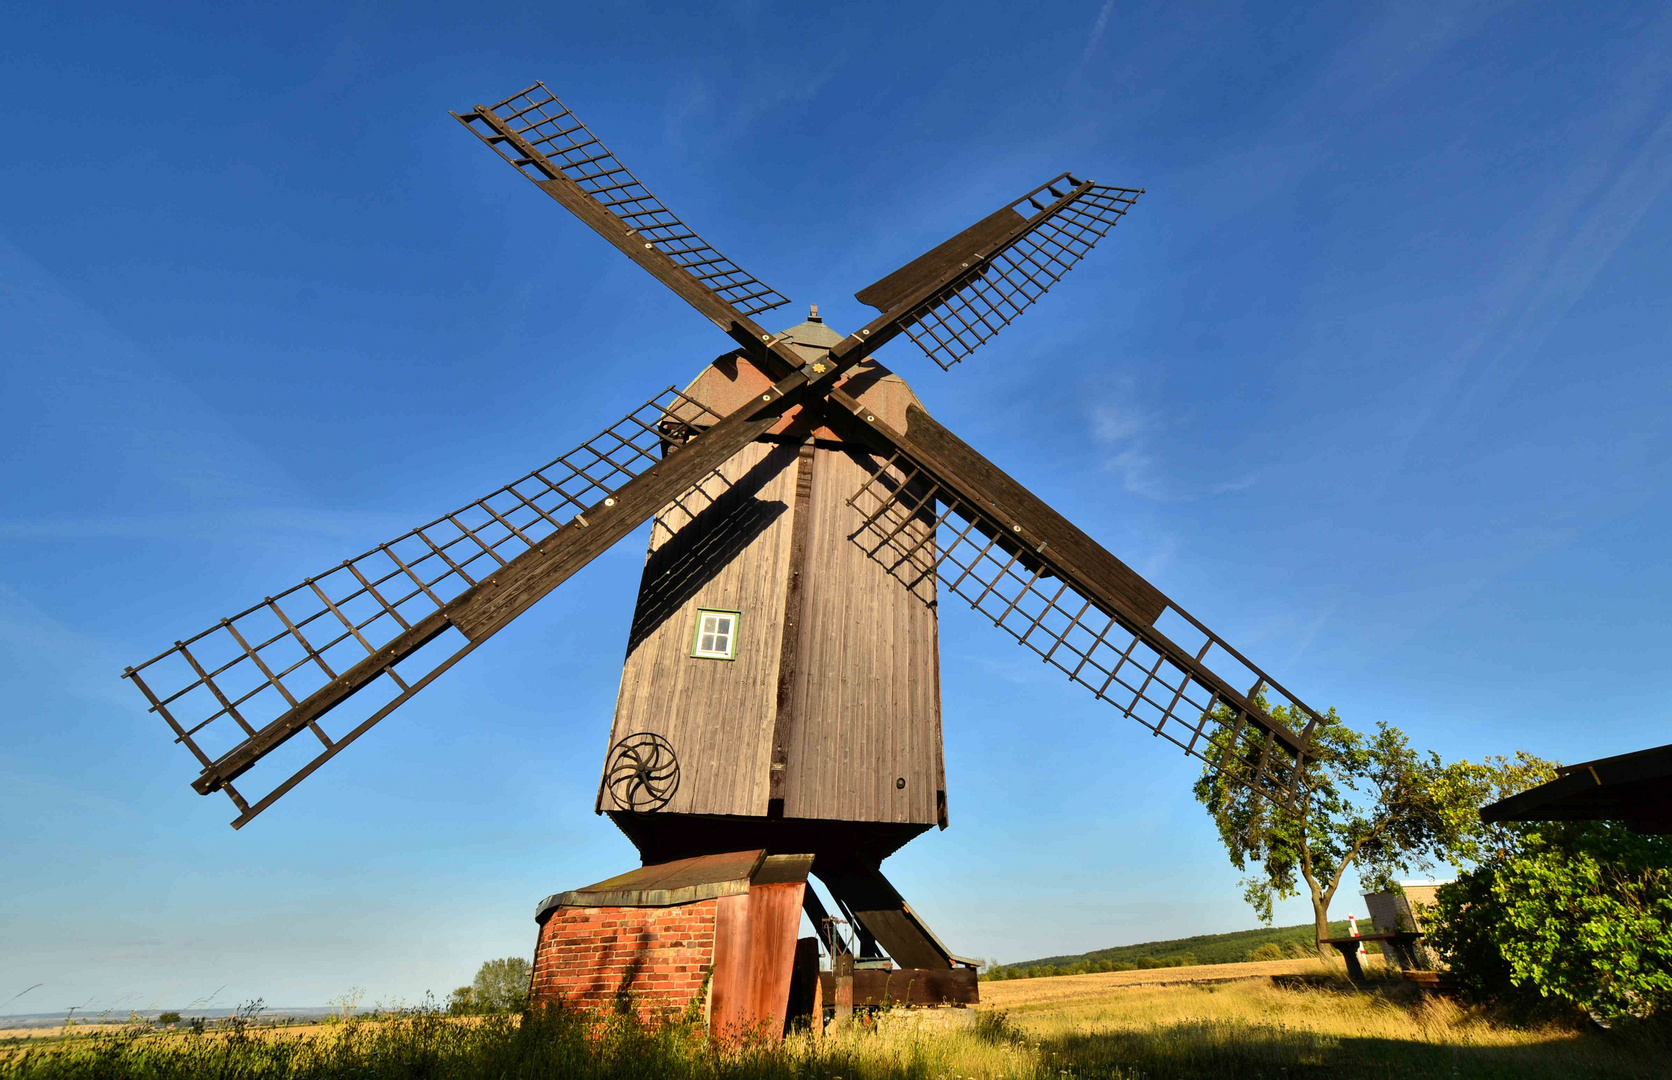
x=843 y=968
x=1349 y=950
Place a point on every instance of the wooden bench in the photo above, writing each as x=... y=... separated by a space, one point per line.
x=1401 y=944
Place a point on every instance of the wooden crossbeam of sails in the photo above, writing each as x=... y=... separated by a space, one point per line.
x=362 y=638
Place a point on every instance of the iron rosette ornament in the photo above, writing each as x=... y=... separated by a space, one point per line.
x=643 y=773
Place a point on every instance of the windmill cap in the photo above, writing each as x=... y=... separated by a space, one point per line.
x=814 y=332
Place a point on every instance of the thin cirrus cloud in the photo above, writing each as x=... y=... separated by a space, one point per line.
x=1098 y=26
x=258 y=526
x=1129 y=437
x=1590 y=212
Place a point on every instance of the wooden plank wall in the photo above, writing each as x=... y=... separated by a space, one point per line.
x=868 y=688
x=717 y=714
x=754 y=962
x=865 y=705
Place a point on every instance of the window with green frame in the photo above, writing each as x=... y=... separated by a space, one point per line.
x=716 y=634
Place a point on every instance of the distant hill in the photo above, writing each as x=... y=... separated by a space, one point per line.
x=115 y=1016
x=1229 y=948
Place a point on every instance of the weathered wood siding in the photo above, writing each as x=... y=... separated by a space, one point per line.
x=868 y=689
x=864 y=694
x=726 y=546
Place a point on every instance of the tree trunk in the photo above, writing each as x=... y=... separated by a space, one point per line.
x=1320 y=919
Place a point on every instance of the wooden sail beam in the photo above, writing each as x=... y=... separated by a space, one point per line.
x=1027 y=531
x=477 y=569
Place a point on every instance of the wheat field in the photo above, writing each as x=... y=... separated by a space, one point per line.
x=1284 y=1019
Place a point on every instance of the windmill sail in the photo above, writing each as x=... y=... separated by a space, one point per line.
x=1015 y=560
x=375 y=630
x=382 y=625
x=543 y=140
x=1012 y=258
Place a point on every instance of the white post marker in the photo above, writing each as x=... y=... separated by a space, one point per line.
x=1352 y=928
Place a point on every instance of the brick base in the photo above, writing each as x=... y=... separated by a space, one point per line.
x=589 y=957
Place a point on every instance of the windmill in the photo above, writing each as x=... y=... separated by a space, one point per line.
x=779 y=710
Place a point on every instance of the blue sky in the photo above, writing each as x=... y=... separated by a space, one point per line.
x=1373 y=380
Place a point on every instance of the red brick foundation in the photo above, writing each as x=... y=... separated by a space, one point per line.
x=586 y=957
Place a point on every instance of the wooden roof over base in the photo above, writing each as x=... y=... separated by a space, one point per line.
x=684 y=881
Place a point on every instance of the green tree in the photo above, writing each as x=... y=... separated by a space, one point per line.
x=501 y=985
x=1371 y=802
x=1577 y=914
x=1463 y=787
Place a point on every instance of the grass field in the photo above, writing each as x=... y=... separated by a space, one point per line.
x=1299 y=1020
x=1289 y=1019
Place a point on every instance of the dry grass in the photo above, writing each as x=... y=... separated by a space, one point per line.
x=1013 y=993
x=24 y=1034
x=1289 y=1019
x=1308 y=1021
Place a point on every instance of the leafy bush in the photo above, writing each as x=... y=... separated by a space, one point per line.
x=1578 y=913
x=1271 y=950
x=462 y=1002
x=168 y=1018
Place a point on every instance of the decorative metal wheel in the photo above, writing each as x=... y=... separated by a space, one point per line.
x=643 y=773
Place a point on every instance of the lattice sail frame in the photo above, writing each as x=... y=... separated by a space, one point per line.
x=224 y=686
x=952 y=325
x=918 y=529
x=545 y=123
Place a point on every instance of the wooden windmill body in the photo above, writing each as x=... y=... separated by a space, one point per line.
x=822 y=731
x=779 y=711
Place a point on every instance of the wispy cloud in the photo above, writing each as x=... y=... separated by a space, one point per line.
x=257 y=525
x=1138 y=475
x=732 y=110
x=1310 y=632
x=1098 y=26
x=1131 y=435
x=1114 y=423
x=1005 y=667
x=101 y=413
x=1588 y=212
x=1390 y=51
x=1125 y=431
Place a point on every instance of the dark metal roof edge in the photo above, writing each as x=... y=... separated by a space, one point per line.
x=639 y=897
x=1515 y=807
x=1623 y=768
x=1585 y=776
x=771 y=869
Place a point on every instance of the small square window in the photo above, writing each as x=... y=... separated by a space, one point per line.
x=716 y=636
